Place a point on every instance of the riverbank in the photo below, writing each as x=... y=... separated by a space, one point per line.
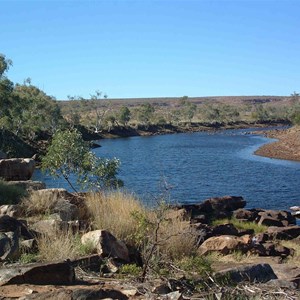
x=287 y=147
x=150 y=130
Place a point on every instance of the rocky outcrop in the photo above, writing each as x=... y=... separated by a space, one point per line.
x=218 y=207
x=68 y=206
x=225 y=244
x=27 y=185
x=253 y=273
x=17 y=168
x=47 y=273
x=106 y=244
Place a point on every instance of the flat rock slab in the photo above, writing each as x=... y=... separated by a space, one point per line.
x=47 y=273
x=251 y=273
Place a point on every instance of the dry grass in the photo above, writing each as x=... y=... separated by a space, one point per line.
x=295 y=259
x=37 y=204
x=114 y=211
x=234 y=257
x=177 y=239
x=61 y=245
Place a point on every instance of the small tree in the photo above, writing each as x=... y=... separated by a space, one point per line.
x=124 y=115
x=69 y=155
x=145 y=113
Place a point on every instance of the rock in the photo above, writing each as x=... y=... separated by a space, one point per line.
x=251 y=273
x=29 y=246
x=9 y=246
x=162 y=289
x=47 y=273
x=283 y=284
x=224 y=229
x=245 y=214
x=260 y=238
x=66 y=210
x=106 y=244
x=17 y=168
x=28 y=185
x=269 y=221
x=225 y=244
x=79 y=294
x=221 y=204
x=8 y=224
x=284 y=233
x=173 y=296
x=67 y=205
x=12 y=210
x=221 y=207
x=282 y=216
x=272 y=249
x=48 y=227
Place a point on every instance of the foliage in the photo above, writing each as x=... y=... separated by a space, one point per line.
x=70 y=155
x=25 y=109
x=131 y=270
x=195 y=265
x=124 y=115
x=27 y=258
x=188 y=108
x=10 y=194
x=145 y=113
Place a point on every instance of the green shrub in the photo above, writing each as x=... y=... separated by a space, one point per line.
x=10 y=194
x=195 y=265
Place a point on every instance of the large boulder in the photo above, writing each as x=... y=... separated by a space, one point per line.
x=251 y=273
x=106 y=244
x=47 y=273
x=284 y=233
x=17 y=168
x=68 y=206
x=223 y=204
x=278 y=218
x=219 y=207
x=225 y=244
x=9 y=224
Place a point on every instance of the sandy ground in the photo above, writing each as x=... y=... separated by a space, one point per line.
x=287 y=146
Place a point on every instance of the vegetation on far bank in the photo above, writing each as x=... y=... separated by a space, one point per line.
x=29 y=117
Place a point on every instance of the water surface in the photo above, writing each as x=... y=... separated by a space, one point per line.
x=190 y=167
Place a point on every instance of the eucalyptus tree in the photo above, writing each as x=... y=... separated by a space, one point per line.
x=145 y=113
x=124 y=115
x=69 y=155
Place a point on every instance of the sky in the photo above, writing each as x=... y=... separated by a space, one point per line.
x=153 y=48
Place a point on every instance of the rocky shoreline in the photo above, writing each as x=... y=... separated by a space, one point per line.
x=287 y=147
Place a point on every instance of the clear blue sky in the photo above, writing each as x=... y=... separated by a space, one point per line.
x=153 y=48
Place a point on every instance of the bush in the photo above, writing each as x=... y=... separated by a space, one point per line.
x=10 y=194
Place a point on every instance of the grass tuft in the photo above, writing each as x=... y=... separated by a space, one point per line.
x=10 y=194
x=243 y=225
x=114 y=212
x=61 y=245
x=37 y=204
